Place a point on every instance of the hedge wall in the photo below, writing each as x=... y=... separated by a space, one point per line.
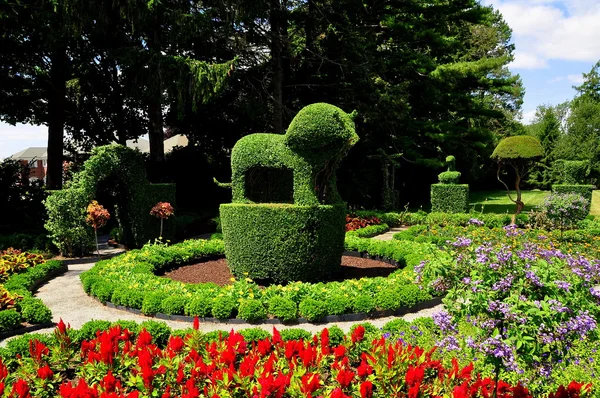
x=583 y=190
x=283 y=242
x=450 y=198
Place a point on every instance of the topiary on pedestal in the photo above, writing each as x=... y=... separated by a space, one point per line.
x=448 y=196
x=287 y=219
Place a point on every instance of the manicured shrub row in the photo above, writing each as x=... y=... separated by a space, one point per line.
x=16 y=301
x=259 y=244
x=444 y=219
x=450 y=198
x=117 y=363
x=583 y=190
x=369 y=232
x=129 y=280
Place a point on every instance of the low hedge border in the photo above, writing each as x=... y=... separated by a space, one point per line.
x=491 y=220
x=29 y=309
x=369 y=231
x=129 y=281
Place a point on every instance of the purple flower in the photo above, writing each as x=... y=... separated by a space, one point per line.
x=504 y=284
x=462 y=242
x=443 y=320
x=595 y=291
x=533 y=278
x=563 y=285
x=474 y=221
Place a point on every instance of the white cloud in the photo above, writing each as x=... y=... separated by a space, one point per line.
x=551 y=29
x=575 y=79
x=528 y=117
x=16 y=138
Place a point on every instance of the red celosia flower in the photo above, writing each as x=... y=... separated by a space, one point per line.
x=339 y=352
x=20 y=389
x=37 y=349
x=364 y=369
x=276 y=337
x=325 y=342
x=338 y=393
x=366 y=389
x=61 y=326
x=175 y=345
x=196 y=323
x=414 y=375
x=45 y=372
x=109 y=382
x=310 y=383
x=345 y=377
x=162 y=210
x=358 y=334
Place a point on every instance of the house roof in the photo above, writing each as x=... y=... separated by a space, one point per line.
x=37 y=153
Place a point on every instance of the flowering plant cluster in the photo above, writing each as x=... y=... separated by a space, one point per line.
x=354 y=222
x=97 y=215
x=527 y=302
x=13 y=261
x=117 y=364
x=162 y=210
x=565 y=210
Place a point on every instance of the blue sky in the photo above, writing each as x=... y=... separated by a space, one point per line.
x=556 y=41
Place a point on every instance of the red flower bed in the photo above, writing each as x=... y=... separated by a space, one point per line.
x=117 y=365
x=354 y=222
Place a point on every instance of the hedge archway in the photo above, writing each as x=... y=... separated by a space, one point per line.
x=136 y=196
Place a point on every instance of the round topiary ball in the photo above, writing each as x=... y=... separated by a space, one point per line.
x=523 y=147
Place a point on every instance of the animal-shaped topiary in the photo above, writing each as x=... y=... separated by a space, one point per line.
x=299 y=241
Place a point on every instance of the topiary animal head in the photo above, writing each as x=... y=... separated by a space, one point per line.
x=321 y=129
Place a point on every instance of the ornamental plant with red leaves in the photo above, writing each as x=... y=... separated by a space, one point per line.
x=354 y=222
x=162 y=210
x=97 y=217
x=116 y=364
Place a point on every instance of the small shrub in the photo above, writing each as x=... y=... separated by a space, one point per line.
x=449 y=177
x=251 y=310
x=132 y=326
x=34 y=311
x=388 y=299
x=254 y=334
x=160 y=331
x=153 y=303
x=449 y=198
x=223 y=307
x=337 y=304
x=89 y=329
x=410 y=295
x=20 y=344
x=134 y=298
x=283 y=308
x=363 y=303
x=199 y=306
x=564 y=211
x=174 y=305
x=295 y=334
x=312 y=309
x=394 y=327
x=102 y=291
x=9 y=320
x=336 y=335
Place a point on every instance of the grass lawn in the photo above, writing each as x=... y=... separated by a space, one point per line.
x=498 y=202
x=595 y=207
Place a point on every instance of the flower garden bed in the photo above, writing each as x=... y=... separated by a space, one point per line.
x=126 y=360
x=130 y=281
x=21 y=274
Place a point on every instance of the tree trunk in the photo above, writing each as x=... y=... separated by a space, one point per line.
x=276 y=65
x=155 y=128
x=518 y=201
x=56 y=117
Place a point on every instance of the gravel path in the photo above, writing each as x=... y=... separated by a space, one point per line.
x=389 y=235
x=64 y=295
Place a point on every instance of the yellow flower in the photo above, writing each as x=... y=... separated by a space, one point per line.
x=232 y=279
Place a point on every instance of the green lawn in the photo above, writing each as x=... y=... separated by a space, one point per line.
x=498 y=202
x=595 y=207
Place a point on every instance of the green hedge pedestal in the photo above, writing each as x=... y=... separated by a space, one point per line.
x=448 y=196
x=303 y=239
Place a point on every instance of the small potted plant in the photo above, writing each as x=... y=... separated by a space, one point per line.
x=162 y=210
x=97 y=218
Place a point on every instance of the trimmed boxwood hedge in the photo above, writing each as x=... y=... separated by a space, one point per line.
x=583 y=190
x=131 y=281
x=283 y=242
x=490 y=220
x=450 y=198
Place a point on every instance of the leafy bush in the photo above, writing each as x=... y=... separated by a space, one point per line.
x=223 y=307
x=254 y=334
x=450 y=198
x=89 y=329
x=174 y=305
x=19 y=346
x=388 y=299
x=199 y=306
x=565 y=210
x=337 y=304
x=251 y=310
x=9 y=320
x=159 y=330
x=370 y=231
x=312 y=309
x=295 y=334
x=363 y=303
x=152 y=303
x=449 y=177
x=29 y=242
x=336 y=335
x=283 y=308
x=575 y=171
x=354 y=222
x=33 y=310
x=584 y=190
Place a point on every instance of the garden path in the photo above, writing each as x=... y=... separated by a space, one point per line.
x=64 y=295
x=389 y=235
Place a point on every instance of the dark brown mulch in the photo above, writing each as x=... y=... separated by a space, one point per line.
x=217 y=271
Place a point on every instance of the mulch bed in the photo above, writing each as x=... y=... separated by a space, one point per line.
x=217 y=271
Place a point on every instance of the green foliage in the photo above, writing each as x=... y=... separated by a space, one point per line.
x=33 y=310
x=337 y=304
x=575 y=171
x=152 y=303
x=90 y=329
x=363 y=303
x=254 y=334
x=449 y=177
x=336 y=335
x=20 y=344
x=27 y=242
x=295 y=334
x=521 y=147
x=9 y=320
x=67 y=207
x=223 y=307
x=251 y=310
x=265 y=249
x=584 y=190
x=174 y=305
x=283 y=308
x=565 y=210
x=313 y=310
x=450 y=198
x=199 y=306
x=369 y=231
